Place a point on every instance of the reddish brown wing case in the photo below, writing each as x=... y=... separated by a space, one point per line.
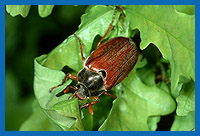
x=116 y=57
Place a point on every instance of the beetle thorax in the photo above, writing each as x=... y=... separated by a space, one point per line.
x=90 y=83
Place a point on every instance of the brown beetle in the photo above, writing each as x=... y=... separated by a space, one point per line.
x=106 y=67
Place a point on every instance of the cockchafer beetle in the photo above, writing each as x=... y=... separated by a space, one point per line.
x=106 y=67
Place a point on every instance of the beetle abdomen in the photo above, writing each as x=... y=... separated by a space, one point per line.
x=116 y=57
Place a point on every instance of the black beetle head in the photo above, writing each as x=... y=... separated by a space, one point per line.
x=82 y=91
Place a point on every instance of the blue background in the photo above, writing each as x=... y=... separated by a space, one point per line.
x=94 y=2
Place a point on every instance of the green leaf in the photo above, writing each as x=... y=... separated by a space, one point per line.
x=186 y=99
x=66 y=118
x=45 y=10
x=15 y=10
x=135 y=103
x=188 y=9
x=68 y=52
x=87 y=120
x=63 y=112
x=138 y=106
x=152 y=122
x=147 y=75
x=184 y=123
x=44 y=80
x=172 y=32
x=69 y=112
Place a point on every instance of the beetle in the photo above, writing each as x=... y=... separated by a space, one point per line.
x=106 y=67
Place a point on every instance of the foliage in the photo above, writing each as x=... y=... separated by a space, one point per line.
x=25 y=39
x=23 y=10
x=167 y=35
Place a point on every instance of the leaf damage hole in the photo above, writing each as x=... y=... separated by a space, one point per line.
x=136 y=39
x=66 y=70
x=95 y=42
x=156 y=64
x=165 y=122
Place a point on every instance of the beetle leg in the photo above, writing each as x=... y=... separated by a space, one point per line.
x=81 y=47
x=96 y=100
x=90 y=107
x=90 y=104
x=76 y=94
x=67 y=75
x=113 y=96
x=110 y=26
x=68 y=87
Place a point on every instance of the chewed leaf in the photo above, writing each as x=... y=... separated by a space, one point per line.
x=172 y=32
x=63 y=112
x=140 y=101
x=44 y=80
x=137 y=102
x=68 y=52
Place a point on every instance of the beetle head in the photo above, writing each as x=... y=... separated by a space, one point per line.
x=82 y=91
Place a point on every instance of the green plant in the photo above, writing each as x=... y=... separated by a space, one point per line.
x=162 y=83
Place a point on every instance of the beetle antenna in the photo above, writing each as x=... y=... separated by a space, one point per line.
x=81 y=47
x=110 y=26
